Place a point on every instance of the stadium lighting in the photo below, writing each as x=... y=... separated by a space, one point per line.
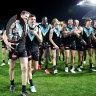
x=87 y=3
x=93 y=1
x=81 y=3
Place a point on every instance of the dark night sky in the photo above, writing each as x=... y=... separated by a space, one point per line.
x=61 y=9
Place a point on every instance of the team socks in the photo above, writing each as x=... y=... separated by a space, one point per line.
x=12 y=82
x=3 y=61
x=23 y=88
x=54 y=67
x=31 y=82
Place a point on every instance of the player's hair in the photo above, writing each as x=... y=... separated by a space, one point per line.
x=70 y=19
x=32 y=15
x=24 y=12
x=44 y=17
x=75 y=22
x=87 y=20
x=53 y=21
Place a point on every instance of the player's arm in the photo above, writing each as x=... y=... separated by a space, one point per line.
x=66 y=33
x=50 y=39
x=79 y=30
x=84 y=42
x=92 y=35
x=75 y=32
x=38 y=35
x=1 y=38
x=8 y=44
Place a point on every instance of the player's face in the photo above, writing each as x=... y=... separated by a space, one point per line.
x=95 y=24
x=44 y=21
x=76 y=23
x=56 y=22
x=70 y=22
x=33 y=20
x=25 y=17
x=88 y=23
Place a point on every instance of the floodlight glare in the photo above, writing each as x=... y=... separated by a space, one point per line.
x=93 y=1
x=81 y=3
x=87 y=3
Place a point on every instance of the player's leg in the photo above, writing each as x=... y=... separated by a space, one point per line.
x=54 y=60
x=40 y=55
x=90 y=59
x=11 y=74
x=3 y=54
x=72 y=61
x=95 y=54
x=46 y=60
x=80 y=54
x=84 y=56
x=66 y=60
x=8 y=56
x=43 y=55
x=24 y=68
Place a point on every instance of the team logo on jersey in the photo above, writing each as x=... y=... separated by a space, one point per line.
x=88 y=32
x=31 y=36
x=57 y=32
x=44 y=31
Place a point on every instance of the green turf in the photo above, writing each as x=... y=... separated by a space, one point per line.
x=61 y=84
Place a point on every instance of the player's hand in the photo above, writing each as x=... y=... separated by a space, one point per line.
x=12 y=26
x=9 y=46
x=33 y=32
x=74 y=32
x=84 y=42
x=56 y=47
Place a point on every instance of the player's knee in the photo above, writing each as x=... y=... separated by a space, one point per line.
x=29 y=69
x=54 y=57
x=67 y=56
x=11 y=69
x=90 y=55
x=36 y=68
x=24 y=69
x=72 y=56
x=3 y=53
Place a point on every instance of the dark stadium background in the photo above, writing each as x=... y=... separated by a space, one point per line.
x=61 y=9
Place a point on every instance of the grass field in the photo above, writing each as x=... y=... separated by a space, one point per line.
x=62 y=84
